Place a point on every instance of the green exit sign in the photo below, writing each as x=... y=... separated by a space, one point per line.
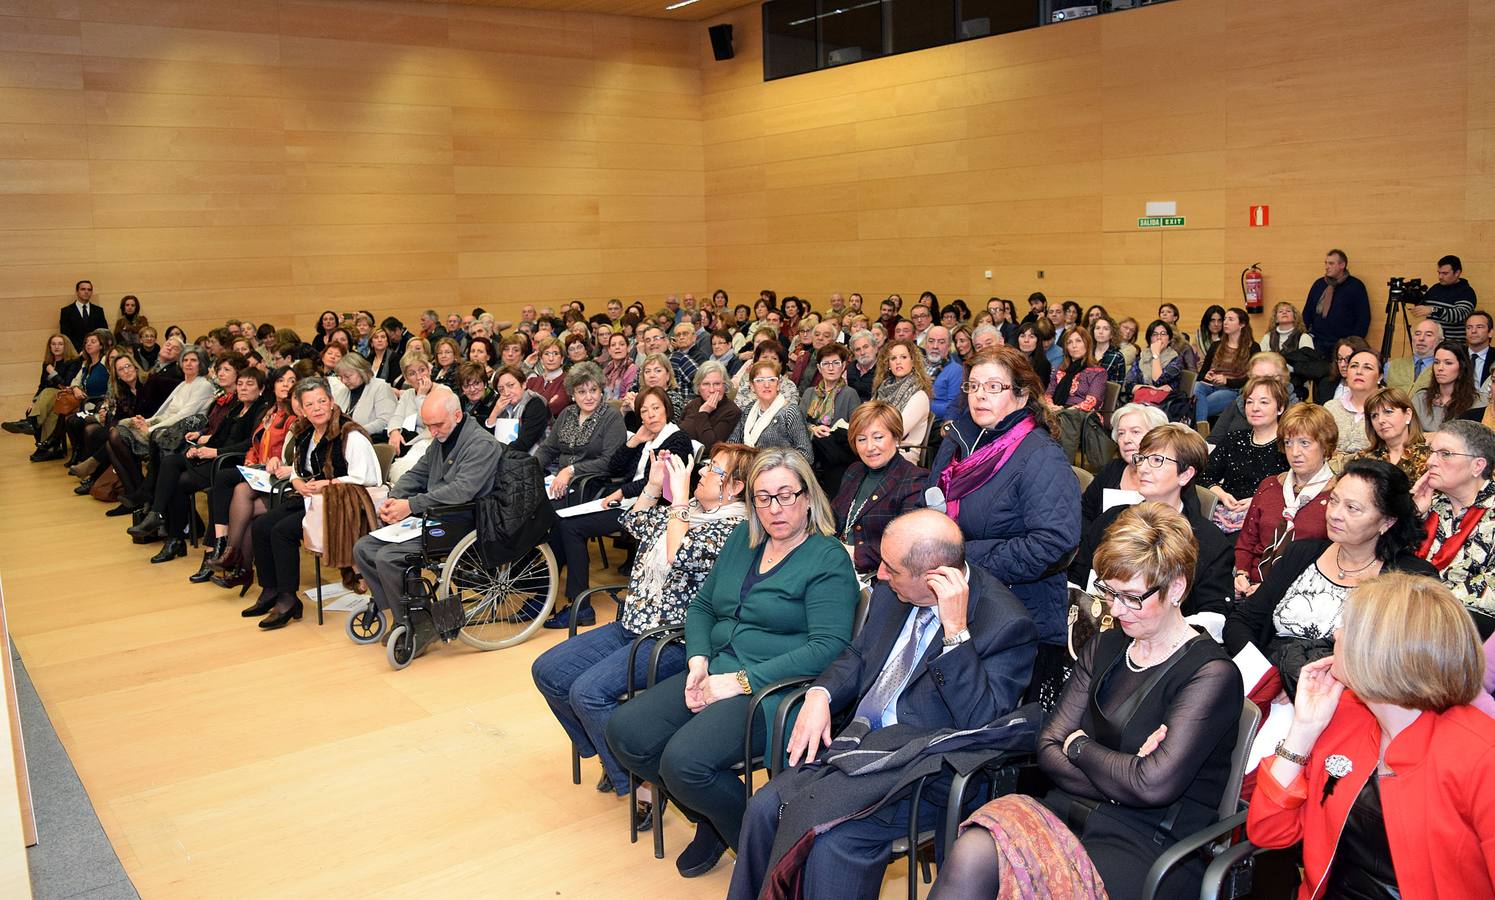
x=1160 y=222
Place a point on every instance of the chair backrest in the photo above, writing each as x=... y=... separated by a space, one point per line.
x=1113 y=394
x=1186 y=379
x=1207 y=501
x=1084 y=477
x=386 y=455
x=864 y=603
x=1240 y=758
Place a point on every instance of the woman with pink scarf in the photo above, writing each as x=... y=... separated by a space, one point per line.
x=1001 y=475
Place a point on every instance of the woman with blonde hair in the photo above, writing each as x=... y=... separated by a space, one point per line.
x=902 y=380
x=56 y=371
x=1383 y=773
x=1138 y=747
x=778 y=604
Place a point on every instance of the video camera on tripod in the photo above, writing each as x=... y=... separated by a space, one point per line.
x=1406 y=290
x=1400 y=294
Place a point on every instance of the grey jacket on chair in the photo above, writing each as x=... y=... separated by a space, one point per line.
x=462 y=476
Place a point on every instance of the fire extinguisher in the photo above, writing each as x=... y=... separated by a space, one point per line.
x=1251 y=288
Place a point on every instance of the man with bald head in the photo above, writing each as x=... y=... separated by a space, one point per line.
x=945 y=646
x=459 y=466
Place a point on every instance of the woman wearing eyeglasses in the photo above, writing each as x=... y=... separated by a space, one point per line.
x=1169 y=460
x=772 y=420
x=1371 y=527
x=1290 y=506
x=1363 y=378
x=830 y=402
x=1138 y=747
x=1129 y=424
x=679 y=544
x=778 y=604
x=1004 y=479
x=1458 y=498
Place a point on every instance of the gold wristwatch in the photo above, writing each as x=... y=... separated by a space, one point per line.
x=742 y=680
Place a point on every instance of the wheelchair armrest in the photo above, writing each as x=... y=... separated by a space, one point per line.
x=759 y=696
x=612 y=590
x=663 y=632
x=1190 y=844
x=451 y=509
x=1229 y=858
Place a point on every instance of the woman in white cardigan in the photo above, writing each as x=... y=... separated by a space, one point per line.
x=363 y=397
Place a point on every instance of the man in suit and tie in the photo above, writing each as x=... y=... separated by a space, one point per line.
x=81 y=316
x=1477 y=339
x=945 y=645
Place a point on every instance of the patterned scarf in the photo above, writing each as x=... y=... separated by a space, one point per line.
x=1326 y=299
x=572 y=432
x=823 y=403
x=652 y=568
x=1037 y=857
x=897 y=391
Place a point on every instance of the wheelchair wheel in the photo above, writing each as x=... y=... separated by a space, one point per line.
x=401 y=647
x=503 y=606
x=366 y=625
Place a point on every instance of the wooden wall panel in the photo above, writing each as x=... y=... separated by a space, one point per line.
x=1039 y=150
x=270 y=158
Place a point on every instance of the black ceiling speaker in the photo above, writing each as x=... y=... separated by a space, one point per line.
x=721 y=41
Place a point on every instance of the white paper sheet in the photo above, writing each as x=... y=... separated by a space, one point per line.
x=1117 y=497
x=506 y=430
x=399 y=532
x=257 y=478
x=582 y=509
x=336 y=598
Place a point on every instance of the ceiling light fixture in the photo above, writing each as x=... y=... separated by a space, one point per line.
x=678 y=5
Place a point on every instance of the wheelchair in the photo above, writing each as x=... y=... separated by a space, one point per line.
x=451 y=594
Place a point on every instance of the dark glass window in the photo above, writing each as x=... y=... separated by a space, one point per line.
x=788 y=38
x=917 y=24
x=850 y=30
x=979 y=18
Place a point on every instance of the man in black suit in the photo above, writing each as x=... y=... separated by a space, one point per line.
x=81 y=316
x=945 y=645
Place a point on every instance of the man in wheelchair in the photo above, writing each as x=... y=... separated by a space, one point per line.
x=457 y=468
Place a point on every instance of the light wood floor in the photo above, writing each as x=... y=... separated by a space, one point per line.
x=227 y=762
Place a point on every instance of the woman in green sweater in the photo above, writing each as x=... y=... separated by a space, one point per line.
x=779 y=604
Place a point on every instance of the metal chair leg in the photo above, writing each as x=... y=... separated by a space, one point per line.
x=317 y=561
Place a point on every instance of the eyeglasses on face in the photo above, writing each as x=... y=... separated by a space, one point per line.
x=784 y=498
x=1130 y=601
x=1446 y=455
x=1153 y=460
x=709 y=466
x=766 y=379
x=991 y=387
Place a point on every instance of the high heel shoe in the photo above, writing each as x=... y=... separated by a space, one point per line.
x=173 y=548
x=264 y=604
x=227 y=561
x=146 y=526
x=243 y=579
x=282 y=618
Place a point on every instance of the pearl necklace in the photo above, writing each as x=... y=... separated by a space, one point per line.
x=1138 y=668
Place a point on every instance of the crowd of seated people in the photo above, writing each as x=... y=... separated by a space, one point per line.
x=773 y=467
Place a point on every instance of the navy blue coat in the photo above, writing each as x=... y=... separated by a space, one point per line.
x=1022 y=523
x=974 y=684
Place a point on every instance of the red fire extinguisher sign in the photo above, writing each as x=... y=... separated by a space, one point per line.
x=1259 y=216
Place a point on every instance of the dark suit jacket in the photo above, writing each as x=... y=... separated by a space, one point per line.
x=970 y=686
x=902 y=489
x=71 y=323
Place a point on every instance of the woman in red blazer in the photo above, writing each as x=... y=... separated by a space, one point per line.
x=1384 y=773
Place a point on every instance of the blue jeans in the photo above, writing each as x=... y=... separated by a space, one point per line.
x=583 y=677
x=1210 y=401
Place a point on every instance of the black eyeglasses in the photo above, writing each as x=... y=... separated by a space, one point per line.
x=784 y=498
x=1130 y=601
x=1153 y=460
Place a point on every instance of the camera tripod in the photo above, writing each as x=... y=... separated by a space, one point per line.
x=1396 y=301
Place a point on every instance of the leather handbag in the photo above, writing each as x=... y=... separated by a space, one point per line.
x=1088 y=616
x=106 y=487
x=66 y=403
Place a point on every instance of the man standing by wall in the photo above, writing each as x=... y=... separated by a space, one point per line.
x=1450 y=301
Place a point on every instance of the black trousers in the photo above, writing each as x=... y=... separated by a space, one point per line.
x=277 y=545
x=657 y=738
x=222 y=493
x=177 y=479
x=568 y=540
